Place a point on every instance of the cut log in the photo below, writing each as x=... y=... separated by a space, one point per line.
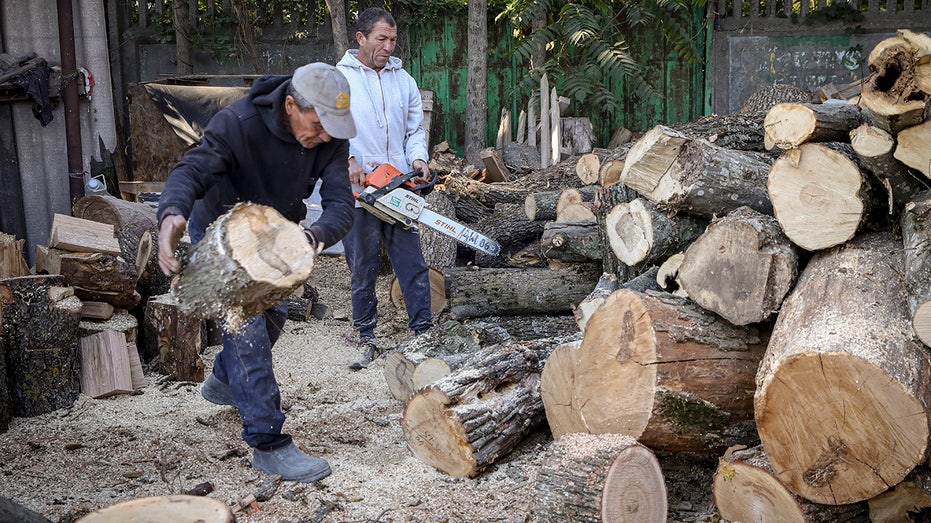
x=175 y=336
x=250 y=259
x=577 y=136
x=842 y=344
x=486 y=292
x=300 y=308
x=121 y=214
x=572 y=241
x=742 y=267
x=509 y=226
x=608 y=478
x=820 y=196
x=544 y=205
x=788 y=125
x=605 y=287
x=488 y=194
x=588 y=167
x=175 y=508
x=105 y=365
x=437 y=292
x=767 y=97
x=668 y=373
x=103 y=277
x=667 y=276
x=40 y=337
x=96 y=310
x=908 y=501
x=557 y=381
x=912 y=148
x=613 y=165
x=78 y=235
x=523 y=327
x=889 y=94
x=650 y=158
x=439 y=250
x=466 y=421
x=875 y=147
x=639 y=233
x=620 y=137
x=916 y=235
x=12 y=263
x=746 y=489
x=399 y=373
x=611 y=197
x=741 y=131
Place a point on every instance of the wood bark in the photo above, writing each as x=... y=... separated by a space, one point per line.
x=439 y=250
x=175 y=336
x=639 y=233
x=908 y=501
x=509 y=226
x=788 y=125
x=742 y=267
x=916 y=234
x=576 y=136
x=40 y=337
x=820 y=195
x=599 y=478
x=524 y=327
x=250 y=259
x=477 y=79
x=572 y=241
x=12 y=263
x=164 y=509
x=912 y=147
x=488 y=194
x=742 y=131
x=183 y=24
x=842 y=344
x=875 y=147
x=667 y=372
x=468 y=420
x=889 y=94
x=491 y=291
x=746 y=489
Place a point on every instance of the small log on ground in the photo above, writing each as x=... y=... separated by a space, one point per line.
x=571 y=241
x=105 y=365
x=439 y=250
x=788 y=125
x=742 y=267
x=842 y=344
x=557 y=382
x=908 y=501
x=484 y=292
x=639 y=233
x=820 y=195
x=667 y=372
x=916 y=240
x=175 y=337
x=912 y=148
x=250 y=259
x=40 y=336
x=300 y=308
x=746 y=489
x=466 y=421
x=608 y=478
x=12 y=263
x=164 y=509
x=875 y=147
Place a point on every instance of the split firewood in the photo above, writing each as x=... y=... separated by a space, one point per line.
x=875 y=148
x=746 y=489
x=466 y=421
x=908 y=500
x=666 y=372
x=820 y=195
x=300 y=308
x=105 y=365
x=484 y=292
x=175 y=337
x=788 y=125
x=127 y=325
x=250 y=259
x=916 y=240
x=96 y=310
x=439 y=250
x=842 y=344
x=40 y=337
x=12 y=263
x=741 y=267
x=543 y=205
x=495 y=170
x=912 y=148
x=639 y=233
x=572 y=241
x=607 y=477
x=78 y=235
x=437 y=292
x=164 y=509
x=620 y=137
x=889 y=95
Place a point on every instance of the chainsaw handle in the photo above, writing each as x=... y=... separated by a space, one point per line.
x=425 y=185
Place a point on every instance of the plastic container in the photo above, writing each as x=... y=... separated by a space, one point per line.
x=96 y=186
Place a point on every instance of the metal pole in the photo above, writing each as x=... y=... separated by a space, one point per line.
x=69 y=95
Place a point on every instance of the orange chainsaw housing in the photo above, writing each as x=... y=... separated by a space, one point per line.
x=382 y=175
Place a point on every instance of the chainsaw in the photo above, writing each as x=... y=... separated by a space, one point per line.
x=392 y=197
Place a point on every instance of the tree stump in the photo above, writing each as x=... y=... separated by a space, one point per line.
x=250 y=259
x=841 y=398
x=175 y=337
x=608 y=478
x=667 y=372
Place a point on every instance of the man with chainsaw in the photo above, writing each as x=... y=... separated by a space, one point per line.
x=388 y=111
x=269 y=148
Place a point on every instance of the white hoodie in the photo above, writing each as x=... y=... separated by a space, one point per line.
x=388 y=112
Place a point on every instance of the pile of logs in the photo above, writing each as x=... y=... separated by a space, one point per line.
x=763 y=290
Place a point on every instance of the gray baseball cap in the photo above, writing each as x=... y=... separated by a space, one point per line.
x=328 y=91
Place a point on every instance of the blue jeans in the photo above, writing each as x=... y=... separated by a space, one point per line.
x=363 y=246
x=245 y=363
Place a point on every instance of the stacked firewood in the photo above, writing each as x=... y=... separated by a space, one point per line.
x=794 y=344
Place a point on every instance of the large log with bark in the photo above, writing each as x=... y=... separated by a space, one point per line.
x=466 y=421
x=842 y=393
x=746 y=489
x=571 y=241
x=788 y=125
x=249 y=259
x=103 y=277
x=641 y=234
x=820 y=195
x=916 y=235
x=488 y=194
x=509 y=226
x=741 y=267
x=439 y=250
x=667 y=372
x=138 y=217
x=600 y=478
x=503 y=291
x=912 y=147
x=40 y=337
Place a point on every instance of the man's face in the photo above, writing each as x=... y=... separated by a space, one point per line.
x=305 y=125
x=376 y=48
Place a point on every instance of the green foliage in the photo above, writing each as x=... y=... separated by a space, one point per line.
x=587 y=49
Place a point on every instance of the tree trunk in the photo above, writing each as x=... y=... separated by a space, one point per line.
x=572 y=241
x=916 y=235
x=820 y=196
x=337 y=10
x=741 y=267
x=668 y=373
x=639 y=233
x=175 y=337
x=746 y=489
x=599 y=478
x=477 y=116
x=184 y=32
x=40 y=336
x=912 y=148
x=250 y=259
x=874 y=148
x=789 y=125
x=487 y=292
x=842 y=344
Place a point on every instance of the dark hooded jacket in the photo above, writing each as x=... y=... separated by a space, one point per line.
x=248 y=153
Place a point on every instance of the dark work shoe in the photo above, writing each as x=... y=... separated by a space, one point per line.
x=369 y=350
x=215 y=391
x=290 y=463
